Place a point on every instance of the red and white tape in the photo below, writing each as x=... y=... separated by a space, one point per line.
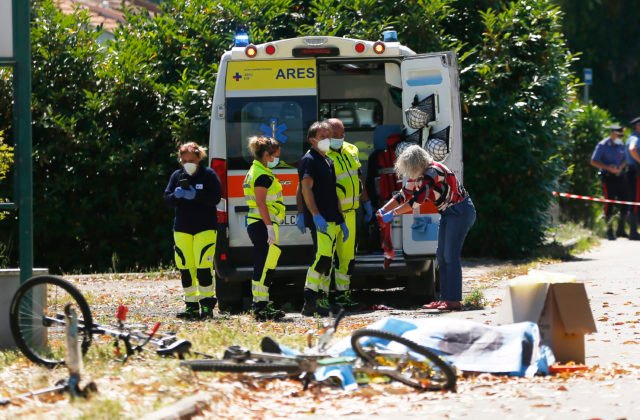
x=601 y=200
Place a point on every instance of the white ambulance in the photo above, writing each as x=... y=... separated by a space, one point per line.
x=279 y=89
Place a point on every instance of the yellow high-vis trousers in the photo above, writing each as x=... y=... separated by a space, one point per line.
x=194 y=258
x=319 y=274
x=345 y=252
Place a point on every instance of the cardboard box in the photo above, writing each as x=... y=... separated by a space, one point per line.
x=558 y=305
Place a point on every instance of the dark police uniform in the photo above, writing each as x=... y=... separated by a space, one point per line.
x=614 y=186
x=633 y=180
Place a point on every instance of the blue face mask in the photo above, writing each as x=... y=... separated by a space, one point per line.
x=273 y=163
x=336 y=144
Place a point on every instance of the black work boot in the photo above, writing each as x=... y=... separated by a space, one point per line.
x=620 y=233
x=610 y=235
x=206 y=307
x=192 y=311
x=343 y=300
x=633 y=228
x=313 y=305
x=266 y=311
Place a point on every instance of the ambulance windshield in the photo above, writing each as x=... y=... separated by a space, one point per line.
x=284 y=118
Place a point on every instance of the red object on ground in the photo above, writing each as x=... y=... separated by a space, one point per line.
x=557 y=368
x=121 y=313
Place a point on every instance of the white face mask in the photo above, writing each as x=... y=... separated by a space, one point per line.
x=618 y=141
x=190 y=168
x=336 y=144
x=273 y=163
x=324 y=145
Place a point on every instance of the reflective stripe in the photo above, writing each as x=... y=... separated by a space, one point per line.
x=344 y=175
x=274 y=218
x=314 y=280
x=347 y=201
x=207 y=291
x=259 y=291
x=326 y=283
x=191 y=294
x=342 y=281
x=270 y=197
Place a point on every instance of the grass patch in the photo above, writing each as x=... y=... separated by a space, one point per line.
x=9 y=357
x=100 y=408
x=474 y=300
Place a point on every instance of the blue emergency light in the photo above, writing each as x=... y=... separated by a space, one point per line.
x=241 y=38
x=390 y=36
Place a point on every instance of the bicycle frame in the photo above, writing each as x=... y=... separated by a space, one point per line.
x=134 y=340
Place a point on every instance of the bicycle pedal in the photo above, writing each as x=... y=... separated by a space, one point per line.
x=236 y=352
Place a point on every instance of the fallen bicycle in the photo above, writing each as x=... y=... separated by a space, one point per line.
x=416 y=366
x=38 y=324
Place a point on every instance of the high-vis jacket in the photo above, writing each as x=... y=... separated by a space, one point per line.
x=347 y=164
x=275 y=202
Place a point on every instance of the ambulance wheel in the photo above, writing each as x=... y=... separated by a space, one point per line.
x=421 y=287
x=229 y=294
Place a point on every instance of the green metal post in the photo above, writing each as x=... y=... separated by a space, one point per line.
x=22 y=130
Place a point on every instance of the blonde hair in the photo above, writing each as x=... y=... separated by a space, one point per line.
x=259 y=145
x=413 y=161
x=192 y=147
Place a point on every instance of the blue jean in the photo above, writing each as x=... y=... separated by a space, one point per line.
x=455 y=223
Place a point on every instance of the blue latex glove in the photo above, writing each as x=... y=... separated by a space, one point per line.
x=387 y=217
x=320 y=223
x=178 y=192
x=345 y=231
x=368 y=211
x=190 y=194
x=300 y=223
x=384 y=217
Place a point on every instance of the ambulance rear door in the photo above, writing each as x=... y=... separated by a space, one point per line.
x=275 y=98
x=424 y=75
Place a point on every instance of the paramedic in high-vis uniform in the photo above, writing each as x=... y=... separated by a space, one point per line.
x=194 y=192
x=349 y=188
x=263 y=193
x=322 y=207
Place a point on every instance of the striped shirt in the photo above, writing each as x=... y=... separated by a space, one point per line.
x=438 y=184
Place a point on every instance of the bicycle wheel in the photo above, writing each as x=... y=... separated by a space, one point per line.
x=226 y=365
x=430 y=373
x=37 y=322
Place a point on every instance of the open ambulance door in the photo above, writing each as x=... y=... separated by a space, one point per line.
x=430 y=83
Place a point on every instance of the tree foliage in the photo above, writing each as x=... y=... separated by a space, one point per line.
x=6 y=162
x=108 y=118
x=605 y=32
x=515 y=100
x=586 y=127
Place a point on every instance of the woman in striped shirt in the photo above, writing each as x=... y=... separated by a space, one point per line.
x=433 y=181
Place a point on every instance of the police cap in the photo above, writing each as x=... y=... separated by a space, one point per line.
x=634 y=121
x=617 y=128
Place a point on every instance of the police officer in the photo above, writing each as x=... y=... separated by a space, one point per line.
x=632 y=151
x=350 y=191
x=263 y=193
x=194 y=192
x=609 y=157
x=321 y=206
